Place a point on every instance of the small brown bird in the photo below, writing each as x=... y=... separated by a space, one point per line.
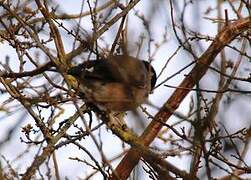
x=119 y=83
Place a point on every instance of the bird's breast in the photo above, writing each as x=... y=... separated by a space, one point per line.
x=115 y=96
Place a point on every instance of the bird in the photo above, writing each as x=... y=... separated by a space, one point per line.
x=119 y=83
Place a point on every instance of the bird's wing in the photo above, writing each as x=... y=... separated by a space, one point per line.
x=102 y=70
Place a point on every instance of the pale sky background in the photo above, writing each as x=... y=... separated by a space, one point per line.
x=112 y=145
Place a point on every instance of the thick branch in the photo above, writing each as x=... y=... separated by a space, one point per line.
x=227 y=34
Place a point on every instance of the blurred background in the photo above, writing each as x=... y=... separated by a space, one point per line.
x=172 y=35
